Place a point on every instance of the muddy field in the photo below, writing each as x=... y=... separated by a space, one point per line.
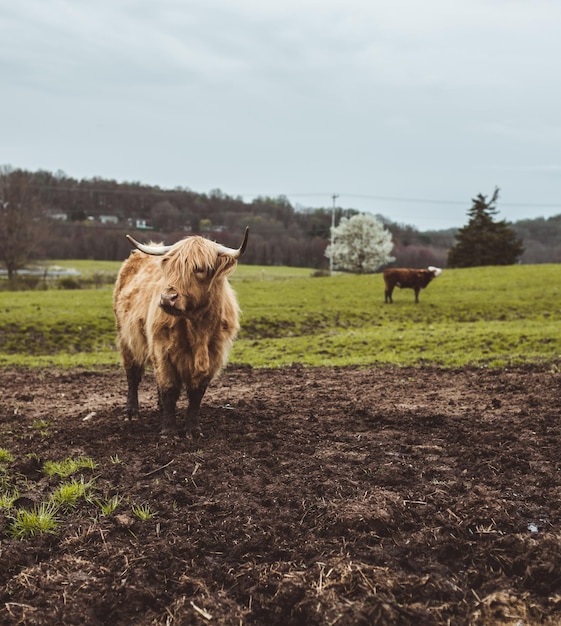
x=317 y=496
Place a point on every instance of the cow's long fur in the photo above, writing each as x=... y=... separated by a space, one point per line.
x=179 y=312
x=405 y=278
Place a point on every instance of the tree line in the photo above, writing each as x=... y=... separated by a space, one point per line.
x=46 y=215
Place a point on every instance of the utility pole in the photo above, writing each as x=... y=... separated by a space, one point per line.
x=334 y=197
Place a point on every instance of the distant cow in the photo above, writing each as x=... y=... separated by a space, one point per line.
x=175 y=308
x=408 y=279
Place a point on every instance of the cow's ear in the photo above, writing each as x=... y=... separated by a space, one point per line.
x=225 y=263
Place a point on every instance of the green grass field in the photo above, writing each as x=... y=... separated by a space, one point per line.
x=491 y=316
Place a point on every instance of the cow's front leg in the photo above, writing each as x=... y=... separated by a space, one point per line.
x=417 y=295
x=167 y=399
x=134 y=376
x=192 y=417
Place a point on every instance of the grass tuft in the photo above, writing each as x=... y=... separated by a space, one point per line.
x=67 y=495
x=68 y=466
x=109 y=505
x=143 y=512
x=7 y=499
x=41 y=519
x=5 y=456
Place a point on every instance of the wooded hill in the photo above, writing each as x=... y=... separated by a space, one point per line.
x=88 y=218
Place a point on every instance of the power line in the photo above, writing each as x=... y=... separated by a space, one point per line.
x=422 y=200
x=85 y=186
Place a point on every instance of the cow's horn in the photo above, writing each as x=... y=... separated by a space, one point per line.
x=235 y=253
x=437 y=270
x=155 y=249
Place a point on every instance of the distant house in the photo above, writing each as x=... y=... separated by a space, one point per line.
x=139 y=223
x=108 y=219
x=59 y=216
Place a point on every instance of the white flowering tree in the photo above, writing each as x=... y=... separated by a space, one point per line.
x=361 y=244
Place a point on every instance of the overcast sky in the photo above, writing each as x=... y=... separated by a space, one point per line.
x=403 y=108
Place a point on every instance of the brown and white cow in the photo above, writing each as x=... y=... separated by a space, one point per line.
x=175 y=308
x=408 y=279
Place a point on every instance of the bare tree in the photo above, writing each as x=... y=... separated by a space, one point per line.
x=165 y=216
x=21 y=226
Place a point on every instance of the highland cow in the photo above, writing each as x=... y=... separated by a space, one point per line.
x=175 y=308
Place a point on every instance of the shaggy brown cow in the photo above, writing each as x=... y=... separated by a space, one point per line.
x=408 y=279
x=179 y=312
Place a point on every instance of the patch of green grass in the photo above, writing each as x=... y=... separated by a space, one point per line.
x=68 y=494
x=7 y=499
x=51 y=322
x=109 y=505
x=42 y=426
x=143 y=512
x=75 y=496
x=5 y=456
x=42 y=519
x=68 y=466
x=263 y=273
x=87 y=267
x=63 y=360
x=484 y=316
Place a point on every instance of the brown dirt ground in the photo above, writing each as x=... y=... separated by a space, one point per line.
x=317 y=496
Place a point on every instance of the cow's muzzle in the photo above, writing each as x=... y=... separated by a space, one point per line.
x=169 y=300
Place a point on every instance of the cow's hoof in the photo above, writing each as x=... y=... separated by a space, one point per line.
x=196 y=435
x=169 y=431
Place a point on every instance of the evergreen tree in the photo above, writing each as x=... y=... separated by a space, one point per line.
x=361 y=244
x=483 y=241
